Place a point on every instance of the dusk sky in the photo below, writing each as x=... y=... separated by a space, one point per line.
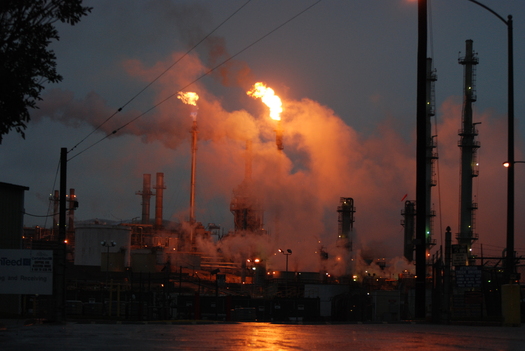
x=346 y=73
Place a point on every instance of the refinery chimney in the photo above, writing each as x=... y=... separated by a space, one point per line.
x=193 y=170
x=146 y=198
x=279 y=136
x=469 y=146
x=248 y=161
x=159 y=187
x=346 y=212
x=248 y=215
x=191 y=98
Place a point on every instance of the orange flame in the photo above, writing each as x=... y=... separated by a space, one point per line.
x=267 y=95
x=189 y=98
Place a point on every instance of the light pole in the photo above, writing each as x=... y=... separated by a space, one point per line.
x=107 y=244
x=509 y=262
x=287 y=253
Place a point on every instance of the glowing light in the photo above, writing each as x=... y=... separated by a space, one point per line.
x=506 y=164
x=189 y=98
x=267 y=95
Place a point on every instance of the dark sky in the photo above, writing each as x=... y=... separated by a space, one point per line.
x=346 y=73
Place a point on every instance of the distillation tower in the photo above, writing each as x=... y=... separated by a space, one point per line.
x=159 y=200
x=248 y=214
x=469 y=146
x=346 y=212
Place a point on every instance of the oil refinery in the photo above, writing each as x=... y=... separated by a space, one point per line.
x=150 y=268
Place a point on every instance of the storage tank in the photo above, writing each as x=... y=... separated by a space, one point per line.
x=89 y=248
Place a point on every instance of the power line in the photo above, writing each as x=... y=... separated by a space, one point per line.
x=160 y=75
x=33 y=215
x=197 y=79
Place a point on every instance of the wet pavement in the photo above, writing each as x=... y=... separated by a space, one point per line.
x=15 y=335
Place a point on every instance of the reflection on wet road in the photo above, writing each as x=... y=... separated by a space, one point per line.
x=261 y=336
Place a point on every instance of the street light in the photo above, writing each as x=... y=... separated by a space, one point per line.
x=287 y=253
x=510 y=264
x=507 y=163
x=107 y=244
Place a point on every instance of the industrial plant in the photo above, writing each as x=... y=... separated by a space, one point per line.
x=150 y=268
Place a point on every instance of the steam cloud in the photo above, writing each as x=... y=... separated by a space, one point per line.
x=324 y=159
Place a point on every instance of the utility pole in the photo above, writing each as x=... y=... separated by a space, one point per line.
x=60 y=250
x=421 y=158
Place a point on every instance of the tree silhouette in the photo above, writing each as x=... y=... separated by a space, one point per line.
x=26 y=30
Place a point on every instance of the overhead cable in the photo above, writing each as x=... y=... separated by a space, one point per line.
x=198 y=78
x=160 y=75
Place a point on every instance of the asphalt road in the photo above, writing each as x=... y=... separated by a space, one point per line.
x=258 y=336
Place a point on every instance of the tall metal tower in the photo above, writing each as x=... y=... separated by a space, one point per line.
x=431 y=155
x=159 y=200
x=194 y=132
x=146 y=195
x=248 y=214
x=346 y=212
x=469 y=146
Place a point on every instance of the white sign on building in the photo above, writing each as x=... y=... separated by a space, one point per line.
x=26 y=272
x=459 y=255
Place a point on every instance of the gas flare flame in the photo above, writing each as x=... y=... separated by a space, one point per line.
x=267 y=95
x=189 y=98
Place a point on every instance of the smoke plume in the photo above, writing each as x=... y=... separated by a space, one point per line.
x=323 y=159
